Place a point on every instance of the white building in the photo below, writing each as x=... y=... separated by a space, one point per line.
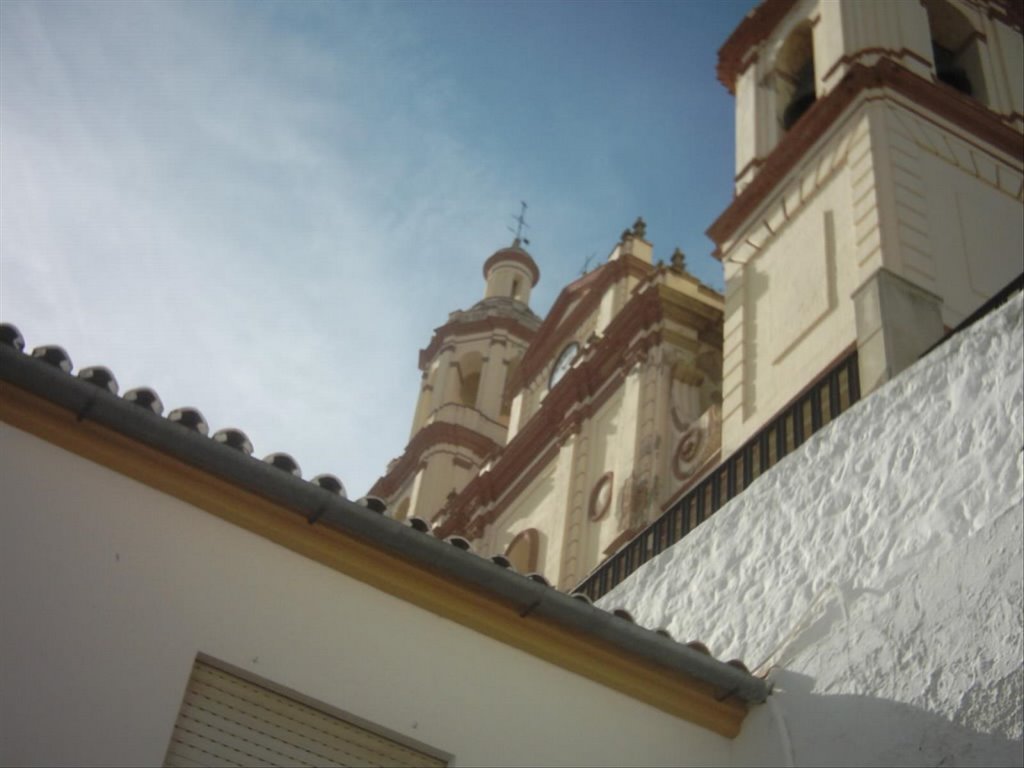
x=167 y=596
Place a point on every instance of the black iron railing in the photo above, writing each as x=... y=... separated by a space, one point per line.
x=831 y=394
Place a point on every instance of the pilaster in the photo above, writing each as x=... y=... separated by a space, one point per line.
x=897 y=322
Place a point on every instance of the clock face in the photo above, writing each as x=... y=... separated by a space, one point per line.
x=563 y=363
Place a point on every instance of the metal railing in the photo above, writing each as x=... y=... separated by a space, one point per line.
x=830 y=395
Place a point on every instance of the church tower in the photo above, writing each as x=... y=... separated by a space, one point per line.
x=462 y=413
x=615 y=411
x=878 y=189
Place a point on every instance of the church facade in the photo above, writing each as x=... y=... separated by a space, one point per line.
x=595 y=416
x=878 y=202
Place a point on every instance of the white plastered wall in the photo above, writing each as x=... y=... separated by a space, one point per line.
x=890 y=186
x=952 y=208
x=110 y=589
x=511 y=279
x=789 y=276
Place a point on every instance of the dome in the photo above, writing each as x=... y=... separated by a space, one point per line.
x=516 y=254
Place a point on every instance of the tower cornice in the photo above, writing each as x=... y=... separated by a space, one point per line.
x=737 y=52
x=466 y=327
x=431 y=436
x=941 y=100
x=757 y=25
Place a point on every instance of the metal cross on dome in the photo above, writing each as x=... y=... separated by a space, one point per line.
x=520 y=221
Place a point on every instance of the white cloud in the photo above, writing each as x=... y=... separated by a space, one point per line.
x=262 y=210
x=249 y=223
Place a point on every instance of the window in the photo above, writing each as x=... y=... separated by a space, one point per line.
x=470 y=367
x=403 y=510
x=226 y=719
x=601 y=497
x=522 y=551
x=794 y=76
x=955 y=47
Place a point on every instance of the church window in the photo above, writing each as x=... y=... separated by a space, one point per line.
x=469 y=367
x=955 y=48
x=601 y=497
x=515 y=289
x=522 y=551
x=424 y=400
x=794 y=76
x=403 y=510
x=470 y=388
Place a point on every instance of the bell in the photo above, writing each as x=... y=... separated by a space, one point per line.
x=957 y=78
x=803 y=96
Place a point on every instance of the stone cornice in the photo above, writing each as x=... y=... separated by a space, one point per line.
x=957 y=108
x=735 y=54
x=458 y=327
x=758 y=24
x=561 y=322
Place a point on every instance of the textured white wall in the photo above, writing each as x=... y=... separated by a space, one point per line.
x=108 y=589
x=877 y=571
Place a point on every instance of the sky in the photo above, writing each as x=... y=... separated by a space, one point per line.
x=262 y=210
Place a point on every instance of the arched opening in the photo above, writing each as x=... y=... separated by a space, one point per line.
x=402 y=510
x=514 y=293
x=507 y=395
x=423 y=403
x=522 y=551
x=955 y=48
x=794 y=76
x=470 y=366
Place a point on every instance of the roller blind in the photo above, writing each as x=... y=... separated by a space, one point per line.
x=226 y=720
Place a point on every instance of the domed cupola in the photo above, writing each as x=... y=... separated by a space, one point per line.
x=511 y=272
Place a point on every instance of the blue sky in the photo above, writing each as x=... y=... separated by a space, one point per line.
x=263 y=209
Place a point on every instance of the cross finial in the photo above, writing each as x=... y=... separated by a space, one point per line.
x=520 y=221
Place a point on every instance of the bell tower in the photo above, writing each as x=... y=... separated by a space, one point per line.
x=462 y=412
x=878 y=188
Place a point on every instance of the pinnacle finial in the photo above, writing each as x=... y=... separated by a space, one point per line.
x=640 y=228
x=678 y=260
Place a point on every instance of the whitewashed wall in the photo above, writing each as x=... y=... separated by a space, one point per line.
x=877 y=572
x=109 y=589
